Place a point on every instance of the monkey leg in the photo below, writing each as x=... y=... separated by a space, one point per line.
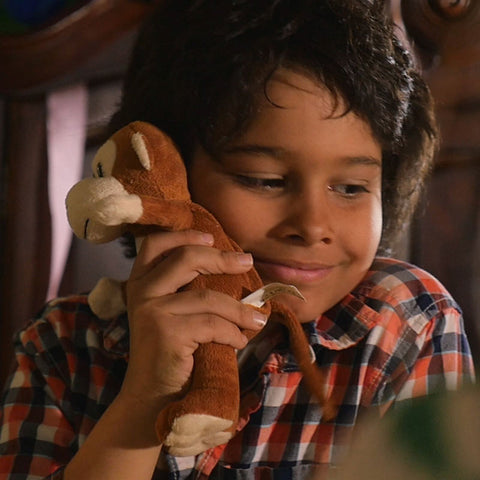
x=207 y=416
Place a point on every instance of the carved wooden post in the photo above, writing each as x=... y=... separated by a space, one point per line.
x=446 y=239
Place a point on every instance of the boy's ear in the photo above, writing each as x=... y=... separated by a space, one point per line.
x=140 y=148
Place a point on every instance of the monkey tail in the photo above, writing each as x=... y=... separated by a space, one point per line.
x=313 y=376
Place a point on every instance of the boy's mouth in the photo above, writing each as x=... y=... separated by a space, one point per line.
x=292 y=272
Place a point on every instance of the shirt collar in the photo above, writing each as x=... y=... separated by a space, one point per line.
x=346 y=324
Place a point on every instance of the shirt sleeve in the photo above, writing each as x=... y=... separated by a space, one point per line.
x=36 y=438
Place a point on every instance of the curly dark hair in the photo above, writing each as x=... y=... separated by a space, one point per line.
x=200 y=68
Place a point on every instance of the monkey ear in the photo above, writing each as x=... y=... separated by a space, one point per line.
x=140 y=147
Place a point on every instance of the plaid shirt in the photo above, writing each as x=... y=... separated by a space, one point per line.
x=398 y=335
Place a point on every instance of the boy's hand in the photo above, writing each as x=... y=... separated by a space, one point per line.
x=166 y=326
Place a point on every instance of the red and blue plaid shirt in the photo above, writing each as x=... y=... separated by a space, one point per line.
x=398 y=335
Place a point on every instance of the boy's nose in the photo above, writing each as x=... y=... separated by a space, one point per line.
x=310 y=220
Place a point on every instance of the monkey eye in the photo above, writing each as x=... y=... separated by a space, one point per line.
x=104 y=160
x=99 y=170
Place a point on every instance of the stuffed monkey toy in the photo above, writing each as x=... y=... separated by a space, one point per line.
x=140 y=184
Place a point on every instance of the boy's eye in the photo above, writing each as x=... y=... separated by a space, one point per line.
x=260 y=182
x=348 y=190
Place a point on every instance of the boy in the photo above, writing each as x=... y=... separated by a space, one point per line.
x=307 y=132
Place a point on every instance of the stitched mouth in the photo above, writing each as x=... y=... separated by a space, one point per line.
x=85 y=227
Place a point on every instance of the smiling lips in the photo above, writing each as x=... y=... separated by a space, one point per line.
x=295 y=273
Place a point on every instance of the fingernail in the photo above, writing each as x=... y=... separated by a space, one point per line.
x=207 y=238
x=244 y=259
x=259 y=318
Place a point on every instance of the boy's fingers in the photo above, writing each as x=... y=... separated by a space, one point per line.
x=194 y=330
x=205 y=260
x=220 y=305
x=184 y=264
x=169 y=310
x=211 y=328
x=158 y=244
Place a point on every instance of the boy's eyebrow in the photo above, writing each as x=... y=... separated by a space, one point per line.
x=278 y=152
x=364 y=160
x=275 y=152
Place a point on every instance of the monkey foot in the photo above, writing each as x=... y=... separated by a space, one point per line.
x=192 y=434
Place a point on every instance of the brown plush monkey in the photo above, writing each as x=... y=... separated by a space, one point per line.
x=139 y=184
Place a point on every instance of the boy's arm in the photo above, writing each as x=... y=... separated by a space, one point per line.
x=123 y=445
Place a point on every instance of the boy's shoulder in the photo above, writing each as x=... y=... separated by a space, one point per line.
x=68 y=320
x=395 y=305
x=400 y=285
x=393 y=274
x=63 y=314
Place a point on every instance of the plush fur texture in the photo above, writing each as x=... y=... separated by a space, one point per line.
x=140 y=183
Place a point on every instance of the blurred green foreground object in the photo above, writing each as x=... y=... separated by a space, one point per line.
x=431 y=438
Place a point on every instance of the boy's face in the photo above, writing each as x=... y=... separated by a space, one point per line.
x=301 y=191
